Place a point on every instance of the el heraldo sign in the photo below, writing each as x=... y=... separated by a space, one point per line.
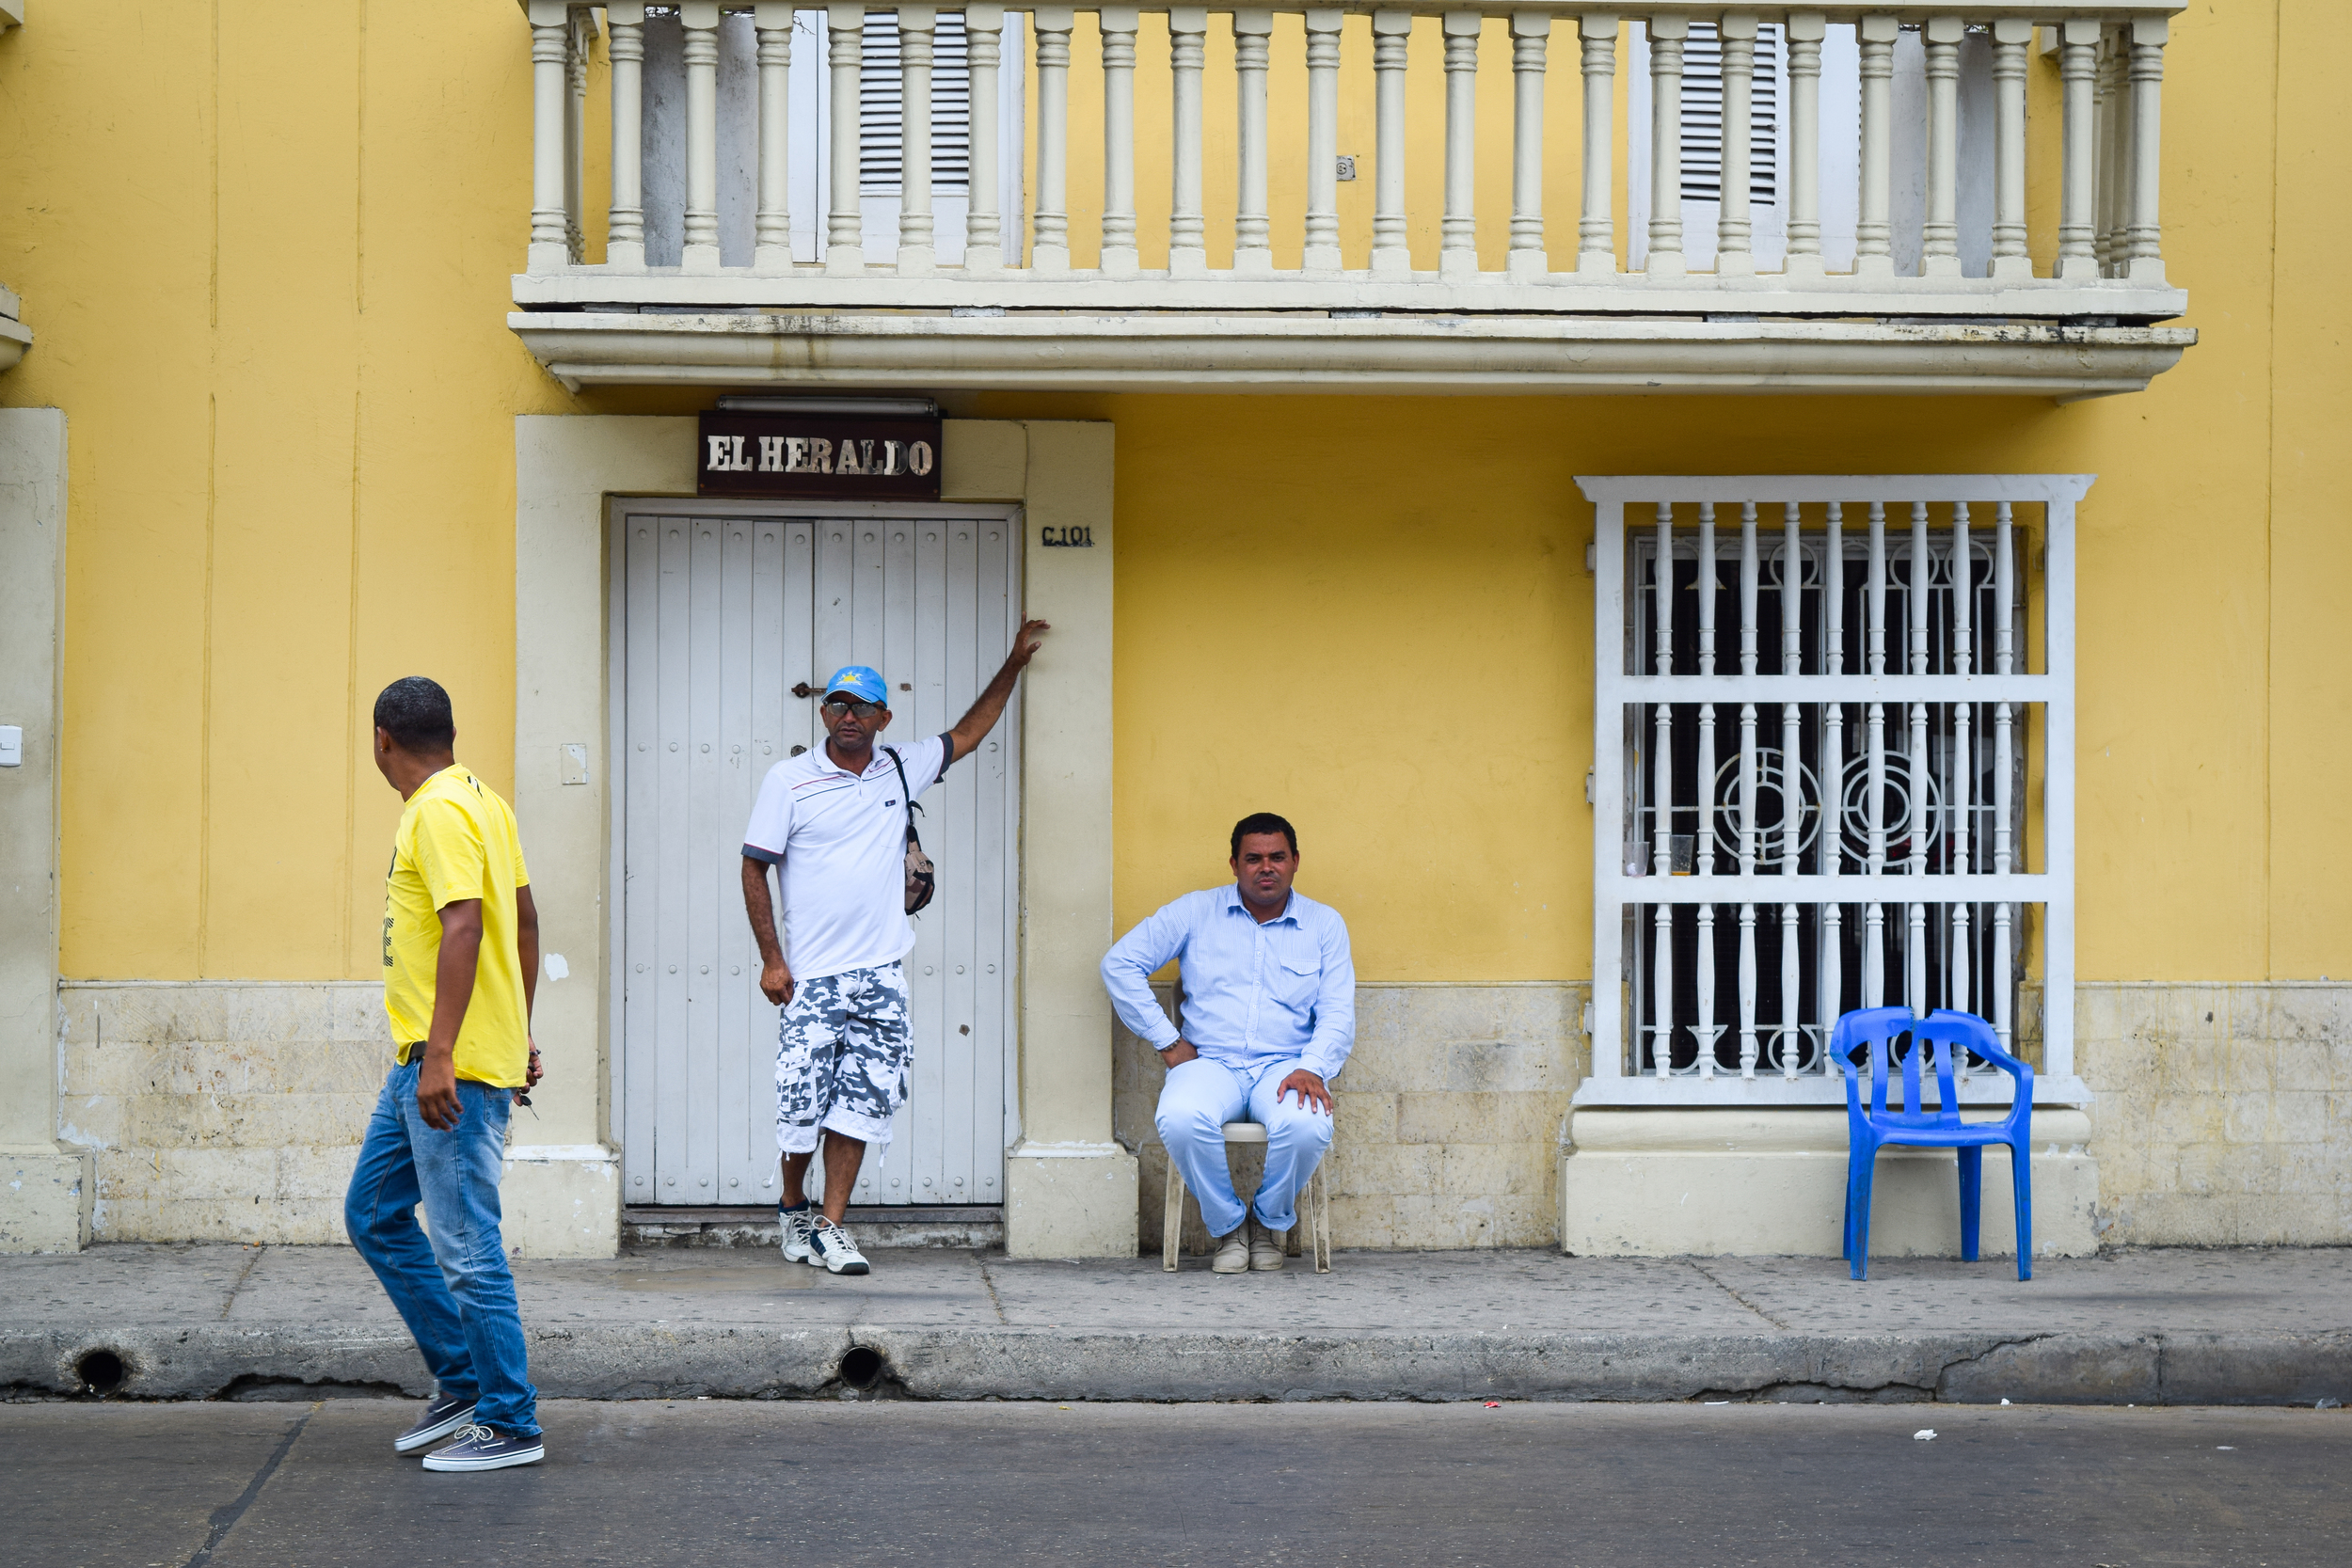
x=814 y=454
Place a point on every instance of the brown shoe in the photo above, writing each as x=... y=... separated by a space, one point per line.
x=1265 y=1248
x=1233 y=1252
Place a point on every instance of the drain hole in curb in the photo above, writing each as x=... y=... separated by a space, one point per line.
x=101 y=1371
x=862 y=1368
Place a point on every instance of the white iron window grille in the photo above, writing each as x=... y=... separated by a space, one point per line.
x=1833 y=769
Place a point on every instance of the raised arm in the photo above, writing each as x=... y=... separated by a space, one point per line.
x=982 y=715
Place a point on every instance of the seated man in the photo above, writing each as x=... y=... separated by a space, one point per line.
x=1269 y=1017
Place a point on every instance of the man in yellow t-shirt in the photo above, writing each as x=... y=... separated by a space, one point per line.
x=461 y=964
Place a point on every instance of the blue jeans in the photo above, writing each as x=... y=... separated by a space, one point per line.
x=1200 y=1098
x=457 y=1294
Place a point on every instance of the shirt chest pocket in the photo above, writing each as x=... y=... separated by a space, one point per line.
x=1295 y=976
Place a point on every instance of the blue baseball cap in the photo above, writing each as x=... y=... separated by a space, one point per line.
x=861 y=681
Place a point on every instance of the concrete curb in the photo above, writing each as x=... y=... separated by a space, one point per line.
x=219 y=1361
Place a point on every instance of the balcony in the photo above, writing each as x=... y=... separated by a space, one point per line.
x=1935 y=199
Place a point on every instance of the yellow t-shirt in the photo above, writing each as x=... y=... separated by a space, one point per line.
x=457 y=840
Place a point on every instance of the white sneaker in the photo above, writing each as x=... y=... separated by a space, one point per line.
x=1233 y=1252
x=795 y=1224
x=1265 y=1248
x=830 y=1245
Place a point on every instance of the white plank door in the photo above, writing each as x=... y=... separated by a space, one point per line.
x=717 y=617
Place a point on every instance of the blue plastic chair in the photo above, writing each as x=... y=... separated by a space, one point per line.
x=1940 y=1034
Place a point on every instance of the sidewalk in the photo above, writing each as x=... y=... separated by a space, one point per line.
x=2158 y=1327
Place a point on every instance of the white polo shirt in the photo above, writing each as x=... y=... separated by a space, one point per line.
x=840 y=839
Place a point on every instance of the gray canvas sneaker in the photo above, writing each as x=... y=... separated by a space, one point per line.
x=1233 y=1252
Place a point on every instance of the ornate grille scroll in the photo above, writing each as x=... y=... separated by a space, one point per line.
x=1833 y=769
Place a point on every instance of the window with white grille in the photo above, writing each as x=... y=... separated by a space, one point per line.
x=1833 y=769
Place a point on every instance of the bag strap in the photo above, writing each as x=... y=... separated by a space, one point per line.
x=904 y=793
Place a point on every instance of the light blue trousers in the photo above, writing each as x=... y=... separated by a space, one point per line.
x=1200 y=1098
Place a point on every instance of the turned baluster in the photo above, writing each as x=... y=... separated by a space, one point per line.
x=1391 y=35
x=700 y=20
x=1049 y=225
x=2114 y=135
x=2144 y=261
x=1252 y=31
x=1530 y=36
x=577 y=36
x=771 y=228
x=1187 y=228
x=1733 y=256
x=917 y=27
x=1457 y=231
x=1322 y=248
x=2079 y=68
x=1940 y=240
x=1596 y=228
x=845 y=218
x=551 y=47
x=1804 y=32
x=1874 y=253
x=1119 y=24
x=1666 y=36
x=625 y=222
x=2010 y=37
x=984 y=220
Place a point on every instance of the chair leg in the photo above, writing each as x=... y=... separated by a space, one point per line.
x=1845 y=1224
x=1860 y=1165
x=2021 y=1178
x=1173 y=1224
x=1971 y=1198
x=1319 y=1202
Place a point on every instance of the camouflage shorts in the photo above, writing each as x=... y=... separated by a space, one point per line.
x=841 y=1058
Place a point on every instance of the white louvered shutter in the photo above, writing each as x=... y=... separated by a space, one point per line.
x=1703 y=117
x=881 y=98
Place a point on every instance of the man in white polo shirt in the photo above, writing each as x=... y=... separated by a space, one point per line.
x=834 y=824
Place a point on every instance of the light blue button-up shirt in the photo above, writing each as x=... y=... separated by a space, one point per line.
x=1252 y=994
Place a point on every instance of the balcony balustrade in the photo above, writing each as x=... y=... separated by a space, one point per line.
x=1829 y=198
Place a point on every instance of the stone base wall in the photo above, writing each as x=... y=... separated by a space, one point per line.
x=1449 y=1113
x=2224 y=1116
x=233 y=1111
x=220 y=1111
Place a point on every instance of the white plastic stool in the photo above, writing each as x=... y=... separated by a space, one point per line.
x=1314 y=1213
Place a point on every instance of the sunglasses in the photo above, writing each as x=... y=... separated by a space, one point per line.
x=864 y=710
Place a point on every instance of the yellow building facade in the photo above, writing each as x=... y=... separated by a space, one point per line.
x=317 y=392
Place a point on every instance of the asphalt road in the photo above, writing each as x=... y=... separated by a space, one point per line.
x=712 y=1485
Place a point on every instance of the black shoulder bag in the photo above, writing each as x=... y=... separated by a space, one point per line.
x=922 y=878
